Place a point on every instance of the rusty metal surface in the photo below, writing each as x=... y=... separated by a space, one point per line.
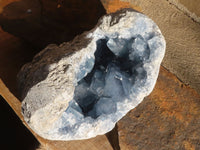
x=114 y=5
x=167 y=119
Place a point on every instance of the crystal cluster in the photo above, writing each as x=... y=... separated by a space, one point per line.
x=83 y=87
x=117 y=73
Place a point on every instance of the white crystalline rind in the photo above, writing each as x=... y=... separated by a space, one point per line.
x=63 y=119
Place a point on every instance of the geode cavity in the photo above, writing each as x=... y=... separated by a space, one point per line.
x=80 y=89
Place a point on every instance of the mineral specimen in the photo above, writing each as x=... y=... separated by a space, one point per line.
x=80 y=89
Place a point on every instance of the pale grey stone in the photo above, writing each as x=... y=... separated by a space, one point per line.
x=80 y=89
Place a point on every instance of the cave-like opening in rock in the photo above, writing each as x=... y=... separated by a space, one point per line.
x=118 y=66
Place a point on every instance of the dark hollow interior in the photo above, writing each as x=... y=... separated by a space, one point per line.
x=104 y=58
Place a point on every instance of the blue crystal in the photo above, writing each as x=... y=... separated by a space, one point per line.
x=113 y=87
x=98 y=83
x=118 y=46
x=85 y=68
x=139 y=49
x=105 y=106
x=118 y=69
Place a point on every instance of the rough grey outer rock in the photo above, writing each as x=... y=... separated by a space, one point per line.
x=54 y=84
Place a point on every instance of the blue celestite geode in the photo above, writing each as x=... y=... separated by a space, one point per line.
x=80 y=89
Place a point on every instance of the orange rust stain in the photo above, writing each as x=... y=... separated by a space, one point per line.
x=3 y=3
x=172 y=109
x=172 y=101
x=176 y=108
x=162 y=129
x=58 y=6
x=188 y=146
x=114 y=5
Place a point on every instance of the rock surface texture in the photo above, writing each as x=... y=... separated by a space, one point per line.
x=80 y=89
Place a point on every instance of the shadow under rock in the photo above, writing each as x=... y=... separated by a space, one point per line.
x=37 y=23
x=14 y=135
x=113 y=138
x=43 y=22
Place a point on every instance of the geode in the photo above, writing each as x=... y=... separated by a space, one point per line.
x=81 y=88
